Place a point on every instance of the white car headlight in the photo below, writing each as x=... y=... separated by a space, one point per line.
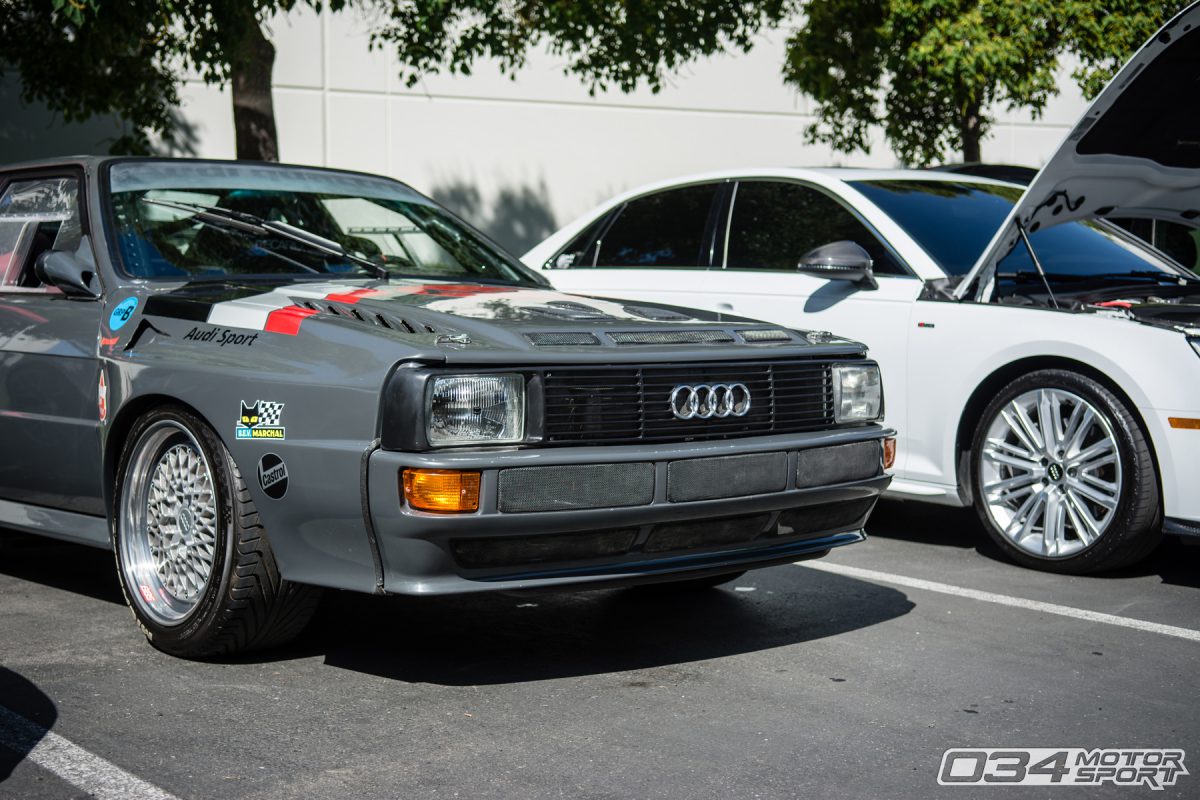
x=857 y=393
x=475 y=409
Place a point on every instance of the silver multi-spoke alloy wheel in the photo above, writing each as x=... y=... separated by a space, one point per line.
x=1050 y=472
x=168 y=517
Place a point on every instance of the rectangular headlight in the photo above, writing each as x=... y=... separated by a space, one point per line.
x=857 y=393
x=475 y=409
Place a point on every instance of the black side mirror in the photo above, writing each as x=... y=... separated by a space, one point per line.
x=68 y=272
x=842 y=261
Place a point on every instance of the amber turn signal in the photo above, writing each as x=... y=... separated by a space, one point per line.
x=889 y=452
x=441 y=490
x=1184 y=422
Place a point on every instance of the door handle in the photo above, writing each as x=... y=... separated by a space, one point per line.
x=725 y=306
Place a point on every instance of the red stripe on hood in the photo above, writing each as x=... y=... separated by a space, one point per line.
x=287 y=320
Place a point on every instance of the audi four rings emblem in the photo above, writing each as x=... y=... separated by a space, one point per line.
x=705 y=401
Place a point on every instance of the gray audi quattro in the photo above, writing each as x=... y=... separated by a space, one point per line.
x=251 y=381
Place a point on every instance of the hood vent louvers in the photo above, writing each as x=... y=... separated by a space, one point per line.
x=366 y=316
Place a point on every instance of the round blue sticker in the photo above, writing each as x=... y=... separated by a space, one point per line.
x=121 y=314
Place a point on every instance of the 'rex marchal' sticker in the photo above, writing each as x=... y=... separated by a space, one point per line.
x=261 y=420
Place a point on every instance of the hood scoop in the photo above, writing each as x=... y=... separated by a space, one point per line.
x=368 y=316
x=565 y=309
x=656 y=314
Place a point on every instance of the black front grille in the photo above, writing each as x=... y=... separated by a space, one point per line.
x=630 y=404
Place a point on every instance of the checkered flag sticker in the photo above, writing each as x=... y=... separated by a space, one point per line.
x=269 y=414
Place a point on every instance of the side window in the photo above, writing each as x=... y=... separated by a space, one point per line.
x=774 y=224
x=36 y=216
x=660 y=230
x=581 y=252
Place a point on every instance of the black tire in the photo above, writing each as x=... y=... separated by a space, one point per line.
x=244 y=604
x=1135 y=526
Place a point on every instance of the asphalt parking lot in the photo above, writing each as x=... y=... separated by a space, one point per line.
x=847 y=679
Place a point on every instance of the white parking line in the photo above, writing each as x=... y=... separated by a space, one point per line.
x=91 y=773
x=1003 y=599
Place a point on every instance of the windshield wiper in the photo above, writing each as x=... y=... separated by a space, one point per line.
x=258 y=226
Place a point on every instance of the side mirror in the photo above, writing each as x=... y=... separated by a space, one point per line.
x=67 y=272
x=842 y=261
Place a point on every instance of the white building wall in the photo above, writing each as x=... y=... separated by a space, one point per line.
x=521 y=157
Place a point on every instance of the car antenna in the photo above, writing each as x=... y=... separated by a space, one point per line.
x=1037 y=264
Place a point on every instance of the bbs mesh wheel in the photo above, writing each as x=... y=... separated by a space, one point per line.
x=193 y=559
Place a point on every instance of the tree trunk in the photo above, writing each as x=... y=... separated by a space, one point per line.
x=970 y=127
x=252 y=62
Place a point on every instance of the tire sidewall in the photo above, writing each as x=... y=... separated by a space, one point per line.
x=195 y=626
x=1127 y=522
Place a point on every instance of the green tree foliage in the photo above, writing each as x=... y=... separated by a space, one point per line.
x=604 y=42
x=128 y=57
x=929 y=73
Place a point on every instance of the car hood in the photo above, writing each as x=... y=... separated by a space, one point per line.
x=1134 y=153
x=472 y=319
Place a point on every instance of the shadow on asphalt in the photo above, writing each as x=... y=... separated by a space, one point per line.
x=20 y=696
x=506 y=638
x=1174 y=562
x=76 y=568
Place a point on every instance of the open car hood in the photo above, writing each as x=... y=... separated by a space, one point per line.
x=1134 y=153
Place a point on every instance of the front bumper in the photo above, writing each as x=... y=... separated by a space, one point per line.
x=602 y=515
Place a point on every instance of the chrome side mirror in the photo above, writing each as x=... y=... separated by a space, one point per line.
x=842 y=261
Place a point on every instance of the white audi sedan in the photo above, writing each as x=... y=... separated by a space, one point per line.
x=1041 y=364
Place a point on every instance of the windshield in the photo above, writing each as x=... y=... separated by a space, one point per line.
x=954 y=222
x=160 y=232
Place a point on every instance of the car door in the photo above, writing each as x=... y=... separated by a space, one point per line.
x=49 y=372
